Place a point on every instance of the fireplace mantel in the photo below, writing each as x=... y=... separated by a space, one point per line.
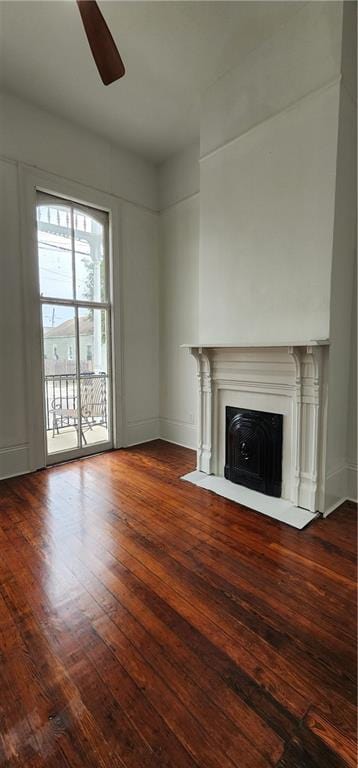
x=263 y=344
x=278 y=377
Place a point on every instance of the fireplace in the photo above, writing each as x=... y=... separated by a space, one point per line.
x=253 y=455
x=262 y=419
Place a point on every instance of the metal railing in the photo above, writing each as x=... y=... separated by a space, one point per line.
x=61 y=396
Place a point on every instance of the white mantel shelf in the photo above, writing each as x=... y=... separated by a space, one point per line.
x=260 y=345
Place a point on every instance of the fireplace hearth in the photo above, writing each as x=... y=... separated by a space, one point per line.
x=253 y=455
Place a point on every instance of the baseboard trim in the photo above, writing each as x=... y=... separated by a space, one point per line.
x=142 y=431
x=178 y=432
x=340 y=486
x=352 y=482
x=14 y=461
x=175 y=442
x=335 y=506
x=141 y=442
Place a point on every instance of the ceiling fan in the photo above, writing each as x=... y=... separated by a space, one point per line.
x=105 y=53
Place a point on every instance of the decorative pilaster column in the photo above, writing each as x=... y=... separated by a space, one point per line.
x=196 y=354
x=295 y=353
x=207 y=414
x=311 y=383
x=205 y=407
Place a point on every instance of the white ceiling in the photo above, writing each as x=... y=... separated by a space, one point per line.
x=172 y=52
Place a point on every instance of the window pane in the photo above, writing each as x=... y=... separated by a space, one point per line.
x=54 y=250
x=89 y=257
x=93 y=341
x=61 y=401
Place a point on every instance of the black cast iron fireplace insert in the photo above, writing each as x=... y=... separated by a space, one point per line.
x=254 y=449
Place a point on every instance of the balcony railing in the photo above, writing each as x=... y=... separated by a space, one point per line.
x=61 y=399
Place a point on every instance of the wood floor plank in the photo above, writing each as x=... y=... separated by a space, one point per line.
x=243 y=671
x=276 y=577
x=332 y=736
x=142 y=626
x=277 y=620
x=146 y=623
x=132 y=594
x=254 y=650
x=183 y=724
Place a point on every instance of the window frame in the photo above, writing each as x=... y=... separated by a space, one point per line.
x=31 y=182
x=43 y=199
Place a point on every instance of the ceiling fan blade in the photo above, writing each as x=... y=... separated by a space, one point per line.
x=103 y=47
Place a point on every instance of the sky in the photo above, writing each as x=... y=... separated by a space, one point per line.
x=55 y=260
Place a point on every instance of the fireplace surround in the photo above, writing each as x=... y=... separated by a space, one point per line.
x=284 y=379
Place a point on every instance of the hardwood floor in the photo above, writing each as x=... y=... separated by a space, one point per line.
x=147 y=623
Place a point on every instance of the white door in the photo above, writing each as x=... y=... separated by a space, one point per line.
x=72 y=246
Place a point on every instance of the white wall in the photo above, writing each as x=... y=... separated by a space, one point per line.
x=13 y=425
x=352 y=454
x=141 y=323
x=341 y=460
x=266 y=229
x=179 y=256
x=38 y=138
x=268 y=143
x=32 y=137
x=179 y=177
x=302 y=56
